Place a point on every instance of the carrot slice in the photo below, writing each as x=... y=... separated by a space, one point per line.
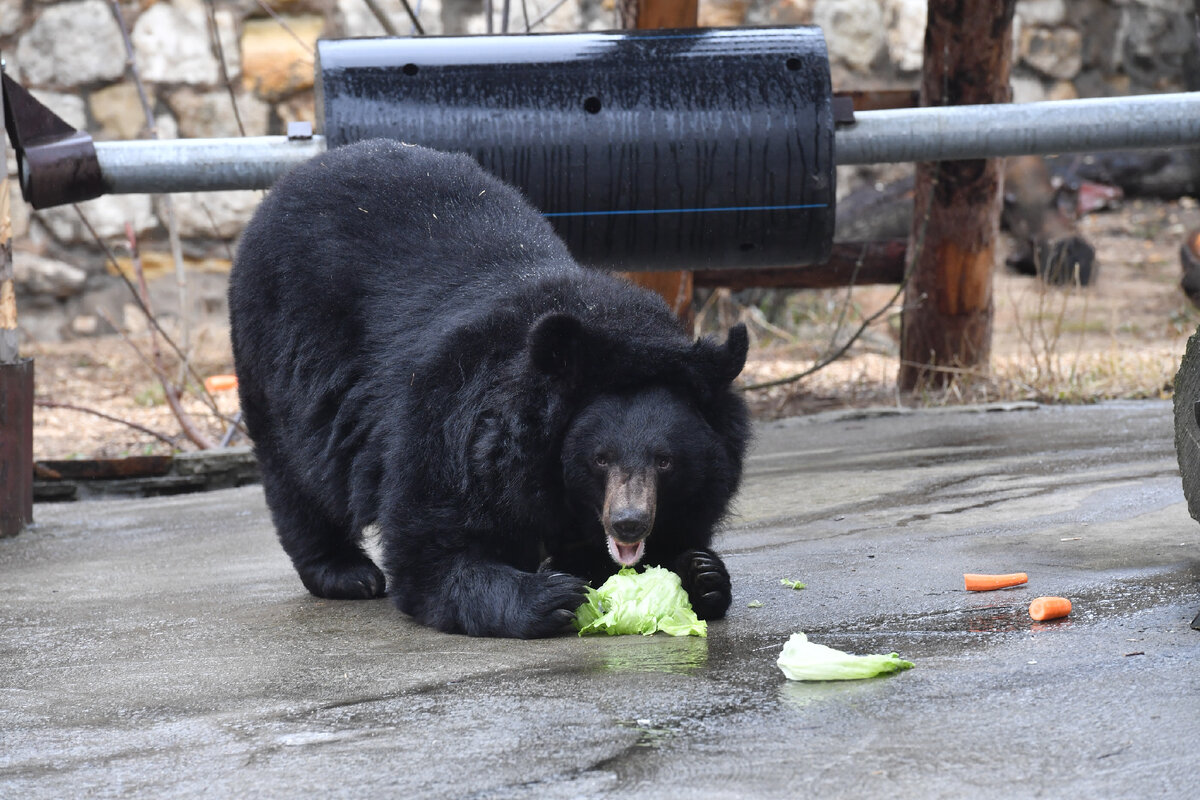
x=985 y=583
x=1044 y=608
x=220 y=383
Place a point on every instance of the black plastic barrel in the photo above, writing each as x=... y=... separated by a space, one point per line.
x=669 y=149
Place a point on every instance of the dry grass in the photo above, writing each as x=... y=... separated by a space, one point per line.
x=1119 y=338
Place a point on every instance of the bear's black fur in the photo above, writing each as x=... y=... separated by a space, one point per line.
x=415 y=347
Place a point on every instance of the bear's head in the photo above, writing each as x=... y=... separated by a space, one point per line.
x=652 y=453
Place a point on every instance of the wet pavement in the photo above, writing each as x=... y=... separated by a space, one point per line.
x=165 y=648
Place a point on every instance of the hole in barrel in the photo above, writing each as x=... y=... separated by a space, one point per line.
x=793 y=63
x=592 y=105
x=746 y=247
x=410 y=69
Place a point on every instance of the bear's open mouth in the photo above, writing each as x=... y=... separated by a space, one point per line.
x=626 y=554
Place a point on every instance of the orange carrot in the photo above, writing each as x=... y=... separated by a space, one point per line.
x=220 y=383
x=985 y=583
x=1044 y=608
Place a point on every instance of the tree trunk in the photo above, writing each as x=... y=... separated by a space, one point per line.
x=16 y=393
x=947 y=325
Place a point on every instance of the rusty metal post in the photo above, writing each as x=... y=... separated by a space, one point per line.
x=676 y=287
x=947 y=324
x=16 y=392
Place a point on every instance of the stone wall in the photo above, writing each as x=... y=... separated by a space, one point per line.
x=72 y=55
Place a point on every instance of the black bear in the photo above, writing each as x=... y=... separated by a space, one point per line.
x=415 y=347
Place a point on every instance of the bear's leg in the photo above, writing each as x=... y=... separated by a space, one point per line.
x=706 y=581
x=326 y=555
x=463 y=592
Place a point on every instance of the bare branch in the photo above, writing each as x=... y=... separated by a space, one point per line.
x=214 y=36
x=170 y=390
x=546 y=15
x=42 y=403
x=275 y=16
x=150 y=317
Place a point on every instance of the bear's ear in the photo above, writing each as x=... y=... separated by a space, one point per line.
x=556 y=345
x=737 y=345
x=723 y=362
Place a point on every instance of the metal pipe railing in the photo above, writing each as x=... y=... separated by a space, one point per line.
x=940 y=133
x=947 y=133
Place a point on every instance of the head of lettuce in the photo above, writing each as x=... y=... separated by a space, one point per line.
x=639 y=602
x=802 y=660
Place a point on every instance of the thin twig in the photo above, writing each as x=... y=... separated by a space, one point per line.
x=208 y=399
x=382 y=18
x=214 y=35
x=412 y=15
x=830 y=357
x=167 y=202
x=42 y=403
x=131 y=66
x=287 y=28
x=170 y=390
x=546 y=15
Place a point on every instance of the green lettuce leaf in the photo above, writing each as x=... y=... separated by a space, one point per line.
x=633 y=602
x=802 y=660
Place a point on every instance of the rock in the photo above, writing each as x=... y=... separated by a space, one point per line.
x=1046 y=13
x=274 y=63
x=357 y=20
x=789 y=12
x=297 y=108
x=107 y=215
x=11 y=17
x=18 y=210
x=905 y=21
x=72 y=43
x=210 y=114
x=1153 y=46
x=1027 y=89
x=207 y=215
x=722 y=13
x=172 y=43
x=33 y=274
x=1056 y=53
x=117 y=110
x=1062 y=90
x=854 y=30
x=70 y=108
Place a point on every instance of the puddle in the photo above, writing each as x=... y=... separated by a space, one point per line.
x=681 y=654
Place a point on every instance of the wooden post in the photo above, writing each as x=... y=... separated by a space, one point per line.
x=16 y=391
x=675 y=287
x=947 y=320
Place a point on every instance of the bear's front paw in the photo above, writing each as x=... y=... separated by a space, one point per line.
x=353 y=577
x=706 y=581
x=549 y=600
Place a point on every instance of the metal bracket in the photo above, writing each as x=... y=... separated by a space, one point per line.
x=57 y=163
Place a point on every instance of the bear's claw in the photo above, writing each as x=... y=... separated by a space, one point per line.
x=707 y=583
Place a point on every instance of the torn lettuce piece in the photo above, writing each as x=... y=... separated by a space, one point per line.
x=802 y=660
x=791 y=584
x=633 y=602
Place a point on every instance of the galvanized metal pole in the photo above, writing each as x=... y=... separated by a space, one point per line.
x=943 y=133
x=147 y=166
x=948 y=133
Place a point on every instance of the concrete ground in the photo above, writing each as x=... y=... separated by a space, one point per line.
x=164 y=648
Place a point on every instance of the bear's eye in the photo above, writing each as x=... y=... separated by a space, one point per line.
x=664 y=463
x=601 y=459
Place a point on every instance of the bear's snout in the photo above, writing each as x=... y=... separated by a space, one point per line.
x=628 y=513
